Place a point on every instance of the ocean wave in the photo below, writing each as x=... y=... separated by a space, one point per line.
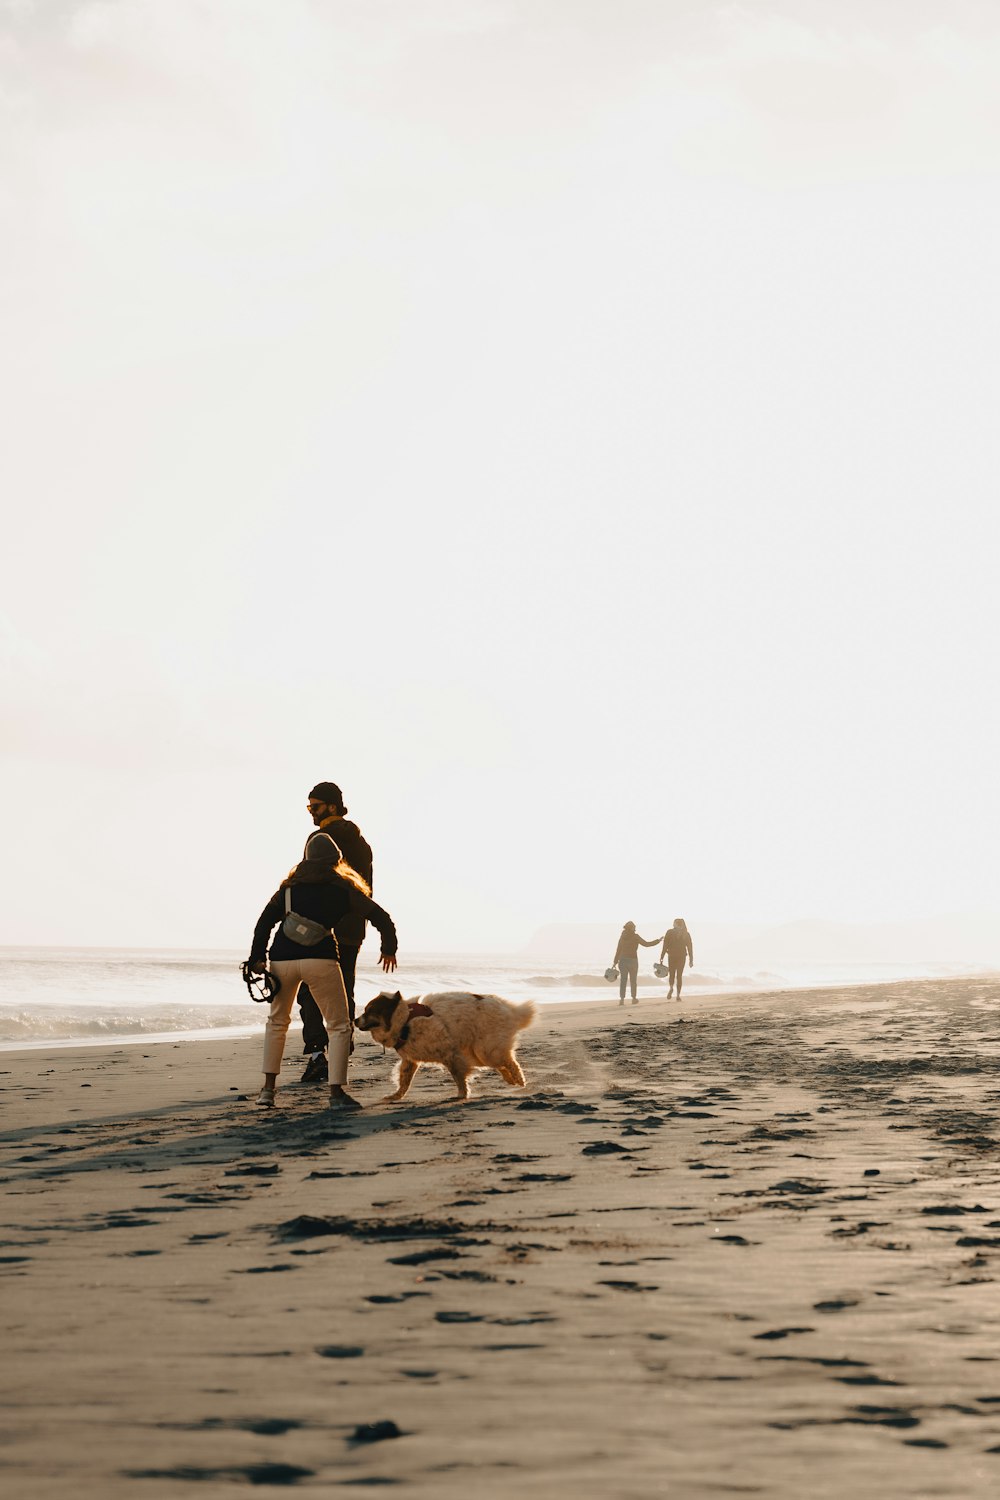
x=598 y=981
x=45 y=1024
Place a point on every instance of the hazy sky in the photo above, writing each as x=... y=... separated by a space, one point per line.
x=569 y=424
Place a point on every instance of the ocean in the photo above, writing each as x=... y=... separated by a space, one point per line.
x=73 y=996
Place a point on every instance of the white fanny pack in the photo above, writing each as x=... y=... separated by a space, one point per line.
x=301 y=929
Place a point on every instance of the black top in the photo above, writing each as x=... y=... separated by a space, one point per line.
x=322 y=901
x=628 y=946
x=357 y=851
x=677 y=943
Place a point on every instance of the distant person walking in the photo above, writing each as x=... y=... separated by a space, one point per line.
x=322 y=890
x=678 y=947
x=327 y=810
x=627 y=959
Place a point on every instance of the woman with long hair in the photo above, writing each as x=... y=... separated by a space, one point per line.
x=316 y=895
x=679 y=949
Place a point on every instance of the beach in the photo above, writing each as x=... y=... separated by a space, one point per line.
x=738 y=1245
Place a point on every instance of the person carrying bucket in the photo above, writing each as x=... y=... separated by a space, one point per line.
x=678 y=947
x=627 y=959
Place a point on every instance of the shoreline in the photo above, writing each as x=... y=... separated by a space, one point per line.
x=699 y=992
x=712 y=1247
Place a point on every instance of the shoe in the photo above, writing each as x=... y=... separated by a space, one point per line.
x=635 y=1002
x=316 y=1069
x=344 y=1102
x=265 y=1099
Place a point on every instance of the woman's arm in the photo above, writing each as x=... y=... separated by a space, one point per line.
x=651 y=944
x=266 y=923
x=379 y=918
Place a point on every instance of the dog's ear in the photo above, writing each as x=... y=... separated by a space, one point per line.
x=399 y=995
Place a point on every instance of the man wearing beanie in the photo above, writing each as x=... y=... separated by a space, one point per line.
x=327 y=810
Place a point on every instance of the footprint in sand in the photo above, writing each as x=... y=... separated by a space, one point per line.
x=249 y=1474
x=421 y=1257
x=824 y=1364
x=483 y=1276
x=523 y=1322
x=262 y=1426
x=883 y=1416
x=865 y=1380
x=949 y=1210
x=386 y=1300
x=374 y=1432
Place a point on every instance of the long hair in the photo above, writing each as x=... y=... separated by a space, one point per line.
x=325 y=872
x=349 y=873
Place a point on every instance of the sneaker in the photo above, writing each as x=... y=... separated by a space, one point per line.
x=265 y=1099
x=344 y=1102
x=316 y=1069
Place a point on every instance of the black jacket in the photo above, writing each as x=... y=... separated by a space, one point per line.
x=628 y=947
x=678 y=945
x=357 y=851
x=327 y=902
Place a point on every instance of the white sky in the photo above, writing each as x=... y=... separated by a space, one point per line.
x=569 y=424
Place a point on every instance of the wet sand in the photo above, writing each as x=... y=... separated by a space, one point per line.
x=736 y=1246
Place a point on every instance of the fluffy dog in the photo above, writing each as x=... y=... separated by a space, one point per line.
x=458 y=1030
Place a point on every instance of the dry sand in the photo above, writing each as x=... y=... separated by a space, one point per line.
x=736 y=1246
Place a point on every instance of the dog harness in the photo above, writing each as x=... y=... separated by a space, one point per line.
x=416 y=1009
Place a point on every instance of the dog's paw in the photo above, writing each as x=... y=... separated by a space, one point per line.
x=391 y=1099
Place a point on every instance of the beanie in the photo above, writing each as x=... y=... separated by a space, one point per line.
x=329 y=792
x=321 y=846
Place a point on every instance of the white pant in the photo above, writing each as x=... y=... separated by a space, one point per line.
x=326 y=982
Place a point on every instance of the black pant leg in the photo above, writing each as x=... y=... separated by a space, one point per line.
x=314 y=1037
x=348 y=965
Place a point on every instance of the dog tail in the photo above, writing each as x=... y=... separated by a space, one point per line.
x=524 y=1014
